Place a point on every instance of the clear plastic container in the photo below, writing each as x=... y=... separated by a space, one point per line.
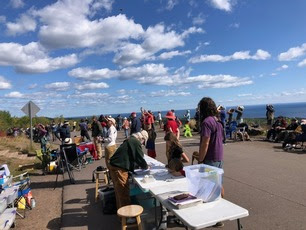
x=204 y=181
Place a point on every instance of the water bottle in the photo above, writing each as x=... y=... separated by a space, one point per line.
x=33 y=203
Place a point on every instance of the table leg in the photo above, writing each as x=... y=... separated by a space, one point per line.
x=97 y=186
x=239 y=225
x=155 y=210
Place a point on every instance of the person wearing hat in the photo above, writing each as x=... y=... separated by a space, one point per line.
x=136 y=123
x=124 y=160
x=171 y=126
x=96 y=133
x=126 y=127
x=110 y=140
x=285 y=133
x=239 y=112
x=64 y=131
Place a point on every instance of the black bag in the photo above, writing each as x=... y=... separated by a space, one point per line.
x=110 y=207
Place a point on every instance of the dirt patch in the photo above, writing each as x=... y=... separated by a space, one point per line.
x=48 y=210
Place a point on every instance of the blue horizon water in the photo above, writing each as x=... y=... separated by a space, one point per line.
x=250 y=111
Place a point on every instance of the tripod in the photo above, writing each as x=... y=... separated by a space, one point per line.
x=62 y=165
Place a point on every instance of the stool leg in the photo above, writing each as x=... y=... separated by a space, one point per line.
x=123 y=222
x=97 y=186
x=138 y=219
x=105 y=177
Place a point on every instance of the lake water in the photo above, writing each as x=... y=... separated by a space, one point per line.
x=252 y=111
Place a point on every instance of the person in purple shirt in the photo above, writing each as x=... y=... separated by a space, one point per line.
x=212 y=135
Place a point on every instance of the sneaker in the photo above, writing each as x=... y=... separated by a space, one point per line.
x=131 y=220
x=219 y=225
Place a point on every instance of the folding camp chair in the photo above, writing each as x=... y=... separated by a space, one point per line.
x=75 y=158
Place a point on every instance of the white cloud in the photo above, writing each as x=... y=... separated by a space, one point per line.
x=71 y=27
x=225 y=5
x=171 y=4
x=4 y=84
x=169 y=93
x=33 y=58
x=293 y=53
x=156 y=38
x=273 y=74
x=86 y=96
x=91 y=74
x=58 y=86
x=241 y=55
x=198 y=20
x=86 y=86
x=99 y=4
x=234 y=25
x=282 y=67
x=171 y=54
x=17 y=3
x=23 y=24
x=14 y=94
x=245 y=95
x=302 y=63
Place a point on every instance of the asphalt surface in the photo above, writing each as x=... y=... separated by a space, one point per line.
x=259 y=176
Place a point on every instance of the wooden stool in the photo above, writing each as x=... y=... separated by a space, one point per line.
x=133 y=211
x=98 y=180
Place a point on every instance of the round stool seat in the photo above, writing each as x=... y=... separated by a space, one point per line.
x=130 y=211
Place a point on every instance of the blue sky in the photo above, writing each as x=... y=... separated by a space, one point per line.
x=85 y=57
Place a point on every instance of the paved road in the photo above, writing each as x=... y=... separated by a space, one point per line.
x=259 y=176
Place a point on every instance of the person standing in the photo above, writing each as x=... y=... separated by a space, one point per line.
x=211 y=142
x=110 y=140
x=136 y=123
x=126 y=127
x=96 y=134
x=74 y=126
x=123 y=161
x=160 y=120
x=187 y=115
x=84 y=130
x=270 y=115
x=171 y=126
x=64 y=131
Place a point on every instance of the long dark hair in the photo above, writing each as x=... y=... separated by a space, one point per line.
x=207 y=107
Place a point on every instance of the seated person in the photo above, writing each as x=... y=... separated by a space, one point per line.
x=279 y=125
x=290 y=128
x=299 y=135
x=175 y=148
x=175 y=167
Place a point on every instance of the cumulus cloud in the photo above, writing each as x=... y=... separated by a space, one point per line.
x=91 y=74
x=171 y=3
x=302 y=63
x=86 y=96
x=198 y=20
x=158 y=74
x=14 y=94
x=234 y=25
x=58 y=86
x=22 y=25
x=240 y=55
x=171 y=54
x=293 y=53
x=33 y=86
x=282 y=67
x=87 y=86
x=4 y=84
x=225 y=5
x=156 y=38
x=33 y=58
x=169 y=93
x=71 y=27
x=17 y=3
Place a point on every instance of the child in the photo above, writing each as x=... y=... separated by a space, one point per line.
x=175 y=167
x=175 y=148
x=187 y=130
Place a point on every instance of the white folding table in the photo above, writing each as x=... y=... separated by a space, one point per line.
x=195 y=217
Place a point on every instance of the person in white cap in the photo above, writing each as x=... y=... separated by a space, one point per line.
x=110 y=140
x=123 y=161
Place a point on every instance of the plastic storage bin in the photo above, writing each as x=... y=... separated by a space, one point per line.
x=3 y=204
x=10 y=193
x=204 y=181
x=7 y=218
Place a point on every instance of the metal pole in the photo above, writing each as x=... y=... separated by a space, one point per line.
x=31 y=129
